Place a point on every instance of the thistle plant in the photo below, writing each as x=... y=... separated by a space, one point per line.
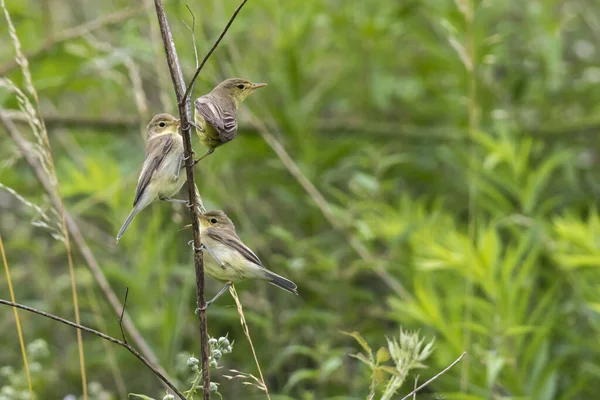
x=408 y=351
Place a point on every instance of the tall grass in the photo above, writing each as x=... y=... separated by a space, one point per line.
x=17 y=320
x=36 y=122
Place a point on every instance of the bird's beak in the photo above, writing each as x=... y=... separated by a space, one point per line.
x=258 y=85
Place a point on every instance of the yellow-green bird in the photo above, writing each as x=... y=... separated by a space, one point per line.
x=215 y=117
x=231 y=260
x=160 y=176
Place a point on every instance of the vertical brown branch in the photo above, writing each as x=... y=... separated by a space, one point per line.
x=183 y=103
x=184 y=114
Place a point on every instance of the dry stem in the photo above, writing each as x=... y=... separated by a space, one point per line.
x=17 y=320
x=247 y=333
x=435 y=377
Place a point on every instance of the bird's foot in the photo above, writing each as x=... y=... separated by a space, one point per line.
x=192 y=154
x=198 y=309
x=180 y=201
x=191 y=243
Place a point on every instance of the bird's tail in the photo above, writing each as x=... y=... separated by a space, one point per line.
x=281 y=282
x=132 y=214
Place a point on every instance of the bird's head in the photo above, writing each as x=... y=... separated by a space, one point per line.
x=162 y=123
x=238 y=89
x=215 y=219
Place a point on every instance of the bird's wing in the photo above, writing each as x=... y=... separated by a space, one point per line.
x=230 y=239
x=156 y=150
x=223 y=121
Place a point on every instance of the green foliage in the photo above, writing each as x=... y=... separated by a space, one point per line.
x=491 y=226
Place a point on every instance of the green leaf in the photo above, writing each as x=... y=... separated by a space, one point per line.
x=361 y=357
x=382 y=355
x=360 y=341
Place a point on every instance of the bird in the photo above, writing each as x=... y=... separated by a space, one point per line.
x=160 y=176
x=215 y=117
x=231 y=260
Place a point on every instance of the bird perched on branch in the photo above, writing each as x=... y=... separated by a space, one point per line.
x=160 y=176
x=215 y=113
x=231 y=260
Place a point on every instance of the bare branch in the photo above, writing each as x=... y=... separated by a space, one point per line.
x=193 y=32
x=103 y=336
x=435 y=377
x=183 y=102
x=214 y=46
x=122 y=313
x=195 y=203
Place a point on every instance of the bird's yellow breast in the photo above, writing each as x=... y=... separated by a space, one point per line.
x=208 y=135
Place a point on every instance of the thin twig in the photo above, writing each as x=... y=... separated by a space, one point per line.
x=75 y=32
x=73 y=228
x=121 y=317
x=17 y=320
x=193 y=32
x=103 y=336
x=415 y=391
x=435 y=377
x=214 y=46
x=247 y=333
x=195 y=203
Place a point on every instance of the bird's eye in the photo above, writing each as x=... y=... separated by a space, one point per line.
x=240 y=86
x=213 y=220
x=162 y=124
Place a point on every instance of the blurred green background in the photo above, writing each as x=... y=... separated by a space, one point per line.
x=431 y=165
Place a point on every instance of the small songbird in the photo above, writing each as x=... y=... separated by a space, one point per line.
x=231 y=260
x=160 y=176
x=215 y=117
